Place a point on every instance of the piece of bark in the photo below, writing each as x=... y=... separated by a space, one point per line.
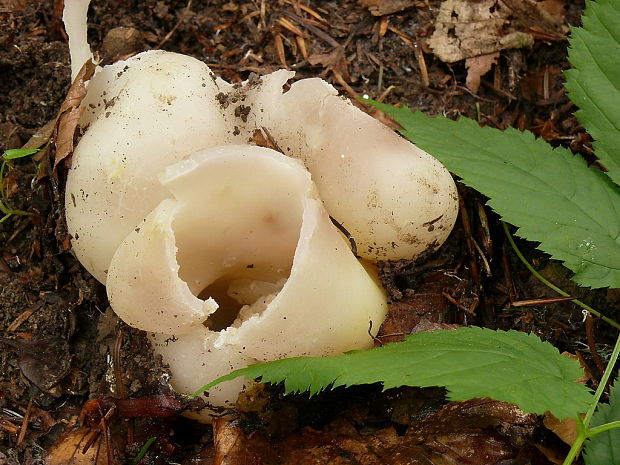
x=386 y=7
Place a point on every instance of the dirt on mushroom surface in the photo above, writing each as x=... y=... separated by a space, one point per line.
x=61 y=345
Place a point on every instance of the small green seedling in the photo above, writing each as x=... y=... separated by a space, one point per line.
x=11 y=154
x=145 y=448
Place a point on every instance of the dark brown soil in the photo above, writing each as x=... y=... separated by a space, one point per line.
x=64 y=310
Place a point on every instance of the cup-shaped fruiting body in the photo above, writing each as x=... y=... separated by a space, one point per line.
x=243 y=231
x=224 y=252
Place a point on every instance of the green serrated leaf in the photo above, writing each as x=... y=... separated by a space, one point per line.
x=594 y=84
x=470 y=362
x=604 y=448
x=550 y=194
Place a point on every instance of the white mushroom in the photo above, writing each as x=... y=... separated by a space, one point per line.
x=225 y=251
x=193 y=360
x=153 y=109
x=246 y=231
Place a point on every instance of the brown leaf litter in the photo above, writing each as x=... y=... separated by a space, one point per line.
x=476 y=432
x=70 y=112
x=466 y=29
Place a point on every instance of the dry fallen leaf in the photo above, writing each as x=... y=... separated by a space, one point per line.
x=228 y=443
x=70 y=112
x=45 y=363
x=427 y=309
x=543 y=86
x=476 y=432
x=67 y=450
x=41 y=136
x=555 y=8
x=566 y=430
x=334 y=60
x=543 y=19
x=478 y=67
x=466 y=29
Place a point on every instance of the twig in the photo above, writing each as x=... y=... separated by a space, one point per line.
x=536 y=302
x=469 y=240
x=551 y=285
x=348 y=235
x=454 y=302
x=7 y=426
x=106 y=434
x=120 y=384
x=176 y=26
x=286 y=24
x=17 y=322
x=344 y=84
x=592 y=344
x=280 y=49
x=315 y=30
x=118 y=371
x=301 y=43
x=385 y=93
x=311 y=12
x=25 y=423
x=422 y=64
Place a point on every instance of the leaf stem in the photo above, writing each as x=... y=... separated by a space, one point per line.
x=583 y=432
x=603 y=382
x=550 y=285
x=576 y=447
x=601 y=428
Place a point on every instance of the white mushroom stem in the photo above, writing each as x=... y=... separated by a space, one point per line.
x=74 y=16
